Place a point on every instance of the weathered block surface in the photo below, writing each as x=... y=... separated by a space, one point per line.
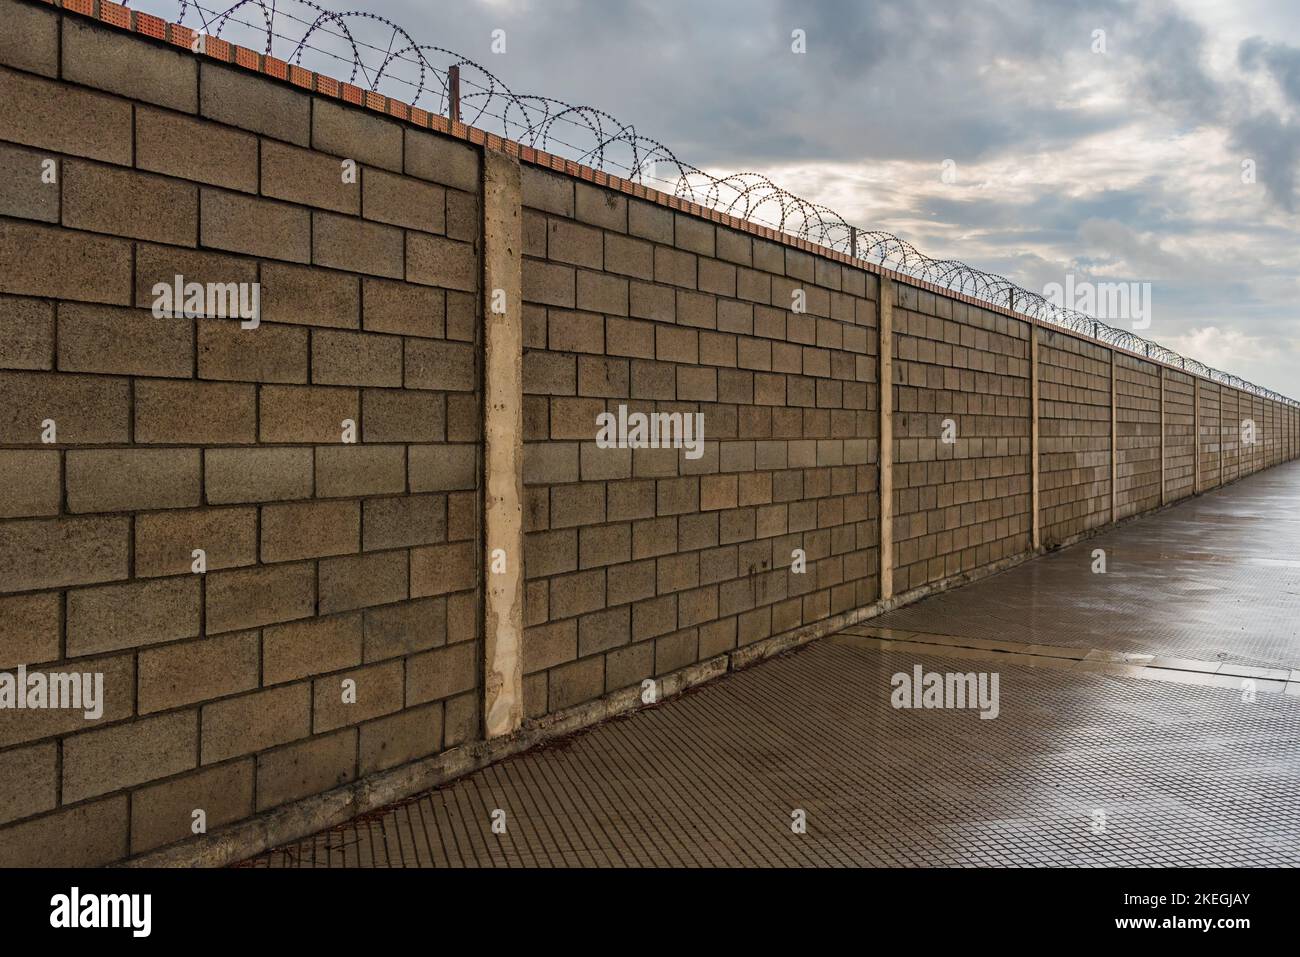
x=182 y=500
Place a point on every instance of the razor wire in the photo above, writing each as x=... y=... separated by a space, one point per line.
x=378 y=54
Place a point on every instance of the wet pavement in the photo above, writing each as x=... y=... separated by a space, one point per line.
x=1214 y=578
x=1148 y=715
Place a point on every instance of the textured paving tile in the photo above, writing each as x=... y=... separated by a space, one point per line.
x=1184 y=775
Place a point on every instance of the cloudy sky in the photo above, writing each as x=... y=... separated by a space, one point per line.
x=1130 y=163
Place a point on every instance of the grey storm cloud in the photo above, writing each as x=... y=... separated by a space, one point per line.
x=1282 y=61
x=1273 y=143
x=1272 y=140
x=1169 y=57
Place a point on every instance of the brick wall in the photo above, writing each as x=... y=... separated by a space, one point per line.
x=642 y=561
x=328 y=561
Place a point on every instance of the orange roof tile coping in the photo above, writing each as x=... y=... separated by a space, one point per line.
x=223 y=51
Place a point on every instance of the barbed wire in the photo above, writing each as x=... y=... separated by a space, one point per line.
x=294 y=29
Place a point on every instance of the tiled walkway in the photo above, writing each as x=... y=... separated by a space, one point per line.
x=1095 y=758
x=1216 y=578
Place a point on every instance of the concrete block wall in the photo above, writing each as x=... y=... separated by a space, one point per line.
x=1289 y=424
x=1241 y=453
x=1210 y=438
x=1138 y=435
x=1074 y=454
x=1256 y=454
x=330 y=561
x=965 y=503
x=1286 y=433
x=326 y=560
x=1247 y=454
x=1230 y=432
x=640 y=561
x=1269 y=444
x=1179 y=430
x=1271 y=436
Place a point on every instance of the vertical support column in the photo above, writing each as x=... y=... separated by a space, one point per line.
x=1196 y=435
x=503 y=430
x=1114 y=446
x=1036 y=540
x=1161 y=370
x=885 y=457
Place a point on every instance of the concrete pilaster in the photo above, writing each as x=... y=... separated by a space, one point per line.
x=503 y=429
x=1114 y=445
x=886 y=456
x=1036 y=540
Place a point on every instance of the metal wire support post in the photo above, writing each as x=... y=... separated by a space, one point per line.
x=453 y=93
